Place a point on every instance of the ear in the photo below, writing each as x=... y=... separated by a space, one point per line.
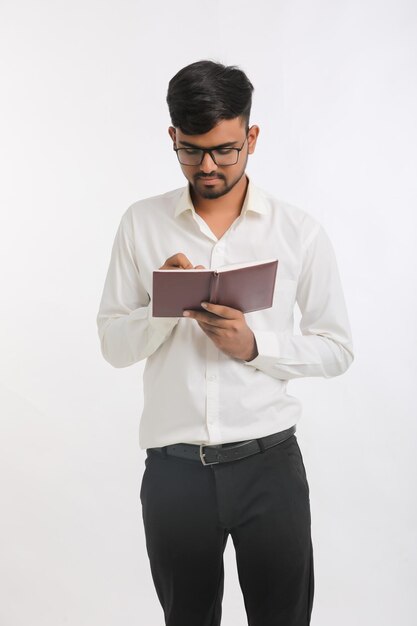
x=252 y=138
x=171 y=132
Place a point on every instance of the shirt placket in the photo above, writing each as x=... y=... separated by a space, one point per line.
x=212 y=362
x=212 y=391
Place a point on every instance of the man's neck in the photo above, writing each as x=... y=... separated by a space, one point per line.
x=227 y=206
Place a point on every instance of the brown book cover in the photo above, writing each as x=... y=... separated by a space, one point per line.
x=243 y=286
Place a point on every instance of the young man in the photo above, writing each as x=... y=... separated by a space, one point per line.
x=217 y=424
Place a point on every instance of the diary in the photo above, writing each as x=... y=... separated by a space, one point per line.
x=243 y=286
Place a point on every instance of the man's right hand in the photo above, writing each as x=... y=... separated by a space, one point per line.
x=180 y=261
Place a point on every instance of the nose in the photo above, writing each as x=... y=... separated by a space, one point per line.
x=208 y=165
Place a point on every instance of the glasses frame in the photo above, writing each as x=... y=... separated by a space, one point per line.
x=210 y=152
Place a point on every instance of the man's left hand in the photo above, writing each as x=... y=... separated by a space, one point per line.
x=228 y=330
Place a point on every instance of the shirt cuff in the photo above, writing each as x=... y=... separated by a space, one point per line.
x=268 y=346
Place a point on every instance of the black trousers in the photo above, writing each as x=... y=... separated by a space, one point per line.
x=263 y=502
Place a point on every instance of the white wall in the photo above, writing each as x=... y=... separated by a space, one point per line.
x=84 y=134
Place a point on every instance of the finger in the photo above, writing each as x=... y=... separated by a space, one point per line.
x=209 y=329
x=207 y=318
x=180 y=260
x=222 y=311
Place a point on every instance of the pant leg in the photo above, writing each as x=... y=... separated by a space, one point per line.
x=272 y=538
x=184 y=541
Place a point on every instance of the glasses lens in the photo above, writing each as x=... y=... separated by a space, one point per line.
x=187 y=156
x=224 y=156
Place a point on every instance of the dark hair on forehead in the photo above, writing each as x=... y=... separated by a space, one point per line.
x=204 y=93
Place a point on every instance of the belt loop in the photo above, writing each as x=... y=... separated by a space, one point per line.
x=164 y=452
x=261 y=445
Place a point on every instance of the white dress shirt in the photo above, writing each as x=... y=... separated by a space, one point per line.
x=194 y=392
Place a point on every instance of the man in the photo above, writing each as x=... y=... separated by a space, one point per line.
x=217 y=424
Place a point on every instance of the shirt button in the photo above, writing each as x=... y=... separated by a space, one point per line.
x=212 y=377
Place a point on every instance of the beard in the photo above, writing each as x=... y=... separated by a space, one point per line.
x=220 y=188
x=211 y=192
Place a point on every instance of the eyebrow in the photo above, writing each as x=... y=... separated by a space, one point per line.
x=222 y=145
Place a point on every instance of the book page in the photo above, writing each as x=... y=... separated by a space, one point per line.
x=222 y=268
x=238 y=266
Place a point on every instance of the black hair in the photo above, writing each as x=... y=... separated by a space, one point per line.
x=204 y=93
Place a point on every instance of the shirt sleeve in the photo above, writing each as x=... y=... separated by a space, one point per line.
x=128 y=332
x=324 y=347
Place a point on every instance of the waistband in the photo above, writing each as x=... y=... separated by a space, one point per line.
x=222 y=453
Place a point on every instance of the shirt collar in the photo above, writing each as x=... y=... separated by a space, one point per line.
x=254 y=200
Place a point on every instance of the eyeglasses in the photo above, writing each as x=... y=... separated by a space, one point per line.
x=221 y=156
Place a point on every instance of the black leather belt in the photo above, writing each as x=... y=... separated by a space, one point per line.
x=221 y=453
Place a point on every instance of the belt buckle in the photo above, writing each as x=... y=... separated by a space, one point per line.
x=202 y=455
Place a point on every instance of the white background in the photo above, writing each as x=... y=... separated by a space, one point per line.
x=83 y=135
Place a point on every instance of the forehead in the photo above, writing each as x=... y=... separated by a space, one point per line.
x=225 y=131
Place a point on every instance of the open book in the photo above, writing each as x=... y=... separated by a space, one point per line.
x=243 y=286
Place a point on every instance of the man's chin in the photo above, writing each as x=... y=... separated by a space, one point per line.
x=211 y=192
